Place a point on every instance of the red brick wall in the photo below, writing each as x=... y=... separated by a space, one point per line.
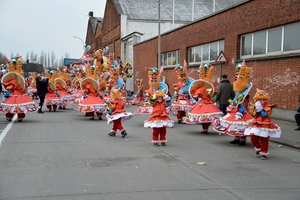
x=111 y=29
x=279 y=77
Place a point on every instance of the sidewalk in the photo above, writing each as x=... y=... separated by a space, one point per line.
x=290 y=137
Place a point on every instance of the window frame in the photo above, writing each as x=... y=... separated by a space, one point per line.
x=164 y=56
x=192 y=52
x=267 y=53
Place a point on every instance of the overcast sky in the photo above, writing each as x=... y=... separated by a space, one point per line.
x=48 y=25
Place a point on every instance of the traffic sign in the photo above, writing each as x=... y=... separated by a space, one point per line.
x=221 y=57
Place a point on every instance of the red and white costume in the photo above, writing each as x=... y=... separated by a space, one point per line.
x=262 y=128
x=117 y=113
x=16 y=100
x=181 y=100
x=156 y=82
x=238 y=115
x=159 y=119
x=91 y=102
x=205 y=111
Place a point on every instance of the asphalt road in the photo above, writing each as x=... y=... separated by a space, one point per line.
x=64 y=155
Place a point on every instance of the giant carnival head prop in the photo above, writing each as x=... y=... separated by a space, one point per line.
x=182 y=74
x=14 y=80
x=51 y=75
x=154 y=77
x=261 y=95
x=159 y=94
x=89 y=84
x=139 y=83
x=202 y=87
x=242 y=76
x=15 y=65
x=114 y=71
x=205 y=71
x=116 y=93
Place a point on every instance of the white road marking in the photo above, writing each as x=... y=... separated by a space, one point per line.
x=7 y=128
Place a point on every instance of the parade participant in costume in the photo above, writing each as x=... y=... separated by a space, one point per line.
x=238 y=115
x=159 y=119
x=52 y=99
x=91 y=103
x=117 y=113
x=101 y=61
x=115 y=81
x=31 y=89
x=139 y=96
x=124 y=71
x=156 y=82
x=61 y=86
x=205 y=111
x=78 y=93
x=79 y=74
x=262 y=127
x=16 y=100
x=181 y=100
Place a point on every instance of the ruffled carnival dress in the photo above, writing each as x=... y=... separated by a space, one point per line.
x=78 y=94
x=159 y=117
x=183 y=101
x=92 y=103
x=205 y=111
x=146 y=107
x=118 y=112
x=52 y=100
x=17 y=101
x=263 y=127
x=228 y=123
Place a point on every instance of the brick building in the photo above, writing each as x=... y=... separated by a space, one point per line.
x=126 y=23
x=263 y=32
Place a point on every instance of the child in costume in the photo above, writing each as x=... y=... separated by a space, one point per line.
x=78 y=93
x=115 y=81
x=139 y=96
x=159 y=119
x=205 y=111
x=117 y=113
x=181 y=100
x=16 y=100
x=156 y=82
x=262 y=127
x=238 y=115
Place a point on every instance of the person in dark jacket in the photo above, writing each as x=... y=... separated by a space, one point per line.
x=224 y=93
x=42 y=89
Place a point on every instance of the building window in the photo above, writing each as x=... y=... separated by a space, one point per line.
x=205 y=52
x=170 y=58
x=274 y=41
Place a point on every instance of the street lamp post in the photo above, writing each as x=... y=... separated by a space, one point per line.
x=158 y=39
x=80 y=40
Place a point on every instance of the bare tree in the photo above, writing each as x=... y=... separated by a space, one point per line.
x=52 y=58
x=44 y=58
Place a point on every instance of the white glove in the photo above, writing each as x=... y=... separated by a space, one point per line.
x=153 y=96
x=258 y=106
x=166 y=98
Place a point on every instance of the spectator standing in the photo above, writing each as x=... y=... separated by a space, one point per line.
x=224 y=93
x=42 y=89
x=297 y=118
